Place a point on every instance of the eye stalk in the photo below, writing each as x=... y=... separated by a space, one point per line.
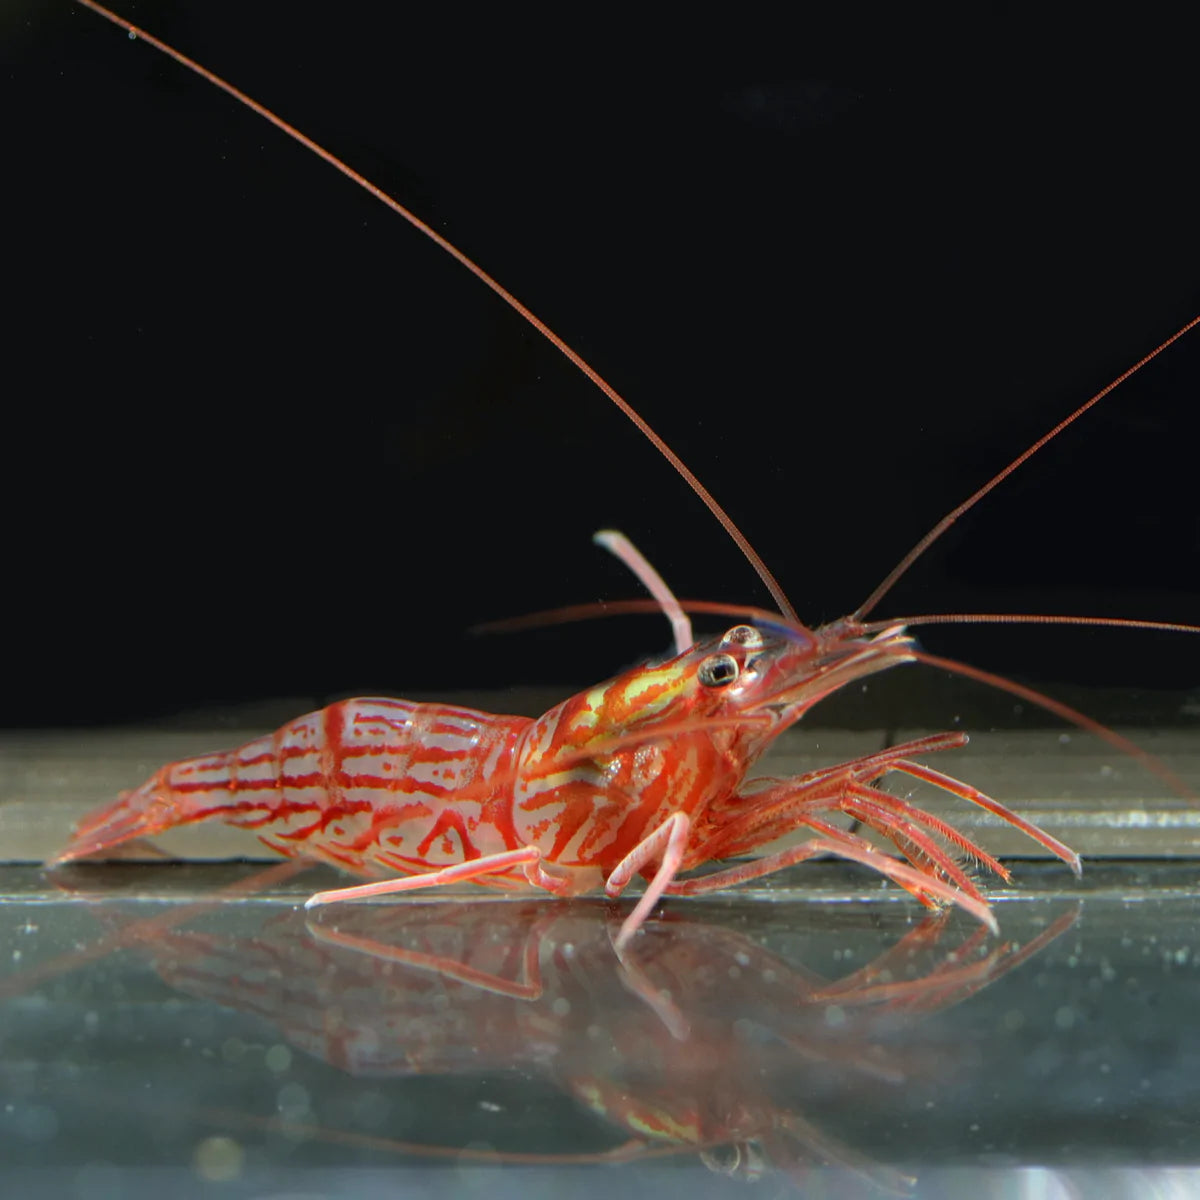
x=804 y=640
x=743 y=635
x=718 y=670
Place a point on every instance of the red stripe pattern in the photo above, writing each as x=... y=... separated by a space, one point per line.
x=375 y=786
x=384 y=787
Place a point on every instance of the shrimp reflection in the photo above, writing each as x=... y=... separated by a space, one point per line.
x=698 y=1039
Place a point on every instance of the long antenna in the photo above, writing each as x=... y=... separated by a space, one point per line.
x=1027 y=619
x=743 y=544
x=936 y=532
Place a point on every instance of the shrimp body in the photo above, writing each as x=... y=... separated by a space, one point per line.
x=645 y=774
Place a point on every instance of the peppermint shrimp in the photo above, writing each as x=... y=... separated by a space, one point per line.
x=532 y=800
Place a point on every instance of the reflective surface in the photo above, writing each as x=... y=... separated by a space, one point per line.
x=185 y=1028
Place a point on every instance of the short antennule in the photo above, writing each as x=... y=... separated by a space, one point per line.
x=617 y=544
x=901 y=568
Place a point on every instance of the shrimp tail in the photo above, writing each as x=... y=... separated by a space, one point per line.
x=142 y=812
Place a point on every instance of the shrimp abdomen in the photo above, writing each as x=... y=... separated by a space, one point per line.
x=360 y=783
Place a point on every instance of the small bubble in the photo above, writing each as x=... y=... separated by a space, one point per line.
x=292 y=1101
x=218 y=1159
x=1064 y=1018
x=835 y=1015
x=278 y=1058
x=233 y=1050
x=743 y=1029
x=561 y=1006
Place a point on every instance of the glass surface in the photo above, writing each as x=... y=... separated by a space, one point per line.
x=185 y=1030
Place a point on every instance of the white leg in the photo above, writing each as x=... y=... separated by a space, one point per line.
x=668 y=841
x=490 y=864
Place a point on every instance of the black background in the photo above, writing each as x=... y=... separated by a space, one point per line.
x=262 y=439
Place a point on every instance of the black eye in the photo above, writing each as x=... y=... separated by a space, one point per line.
x=718 y=670
x=743 y=635
x=725 y=1160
